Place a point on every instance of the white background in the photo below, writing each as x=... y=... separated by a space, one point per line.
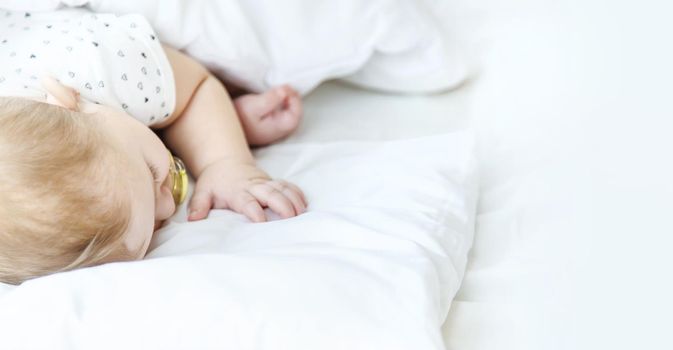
x=573 y=102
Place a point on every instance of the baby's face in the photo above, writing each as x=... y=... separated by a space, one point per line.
x=148 y=159
x=149 y=174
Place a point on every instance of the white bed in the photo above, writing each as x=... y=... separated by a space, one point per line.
x=378 y=257
x=560 y=191
x=374 y=263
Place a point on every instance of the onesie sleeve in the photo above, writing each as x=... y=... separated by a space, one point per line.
x=137 y=68
x=113 y=60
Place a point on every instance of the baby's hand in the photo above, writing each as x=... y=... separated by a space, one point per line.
x=246 y=189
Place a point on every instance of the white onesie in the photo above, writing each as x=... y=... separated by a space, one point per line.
x=112 y=60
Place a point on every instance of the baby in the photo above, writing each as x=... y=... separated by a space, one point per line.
x=83 y=179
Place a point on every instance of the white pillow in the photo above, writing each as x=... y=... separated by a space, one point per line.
x=373 y=264
x=390 y=45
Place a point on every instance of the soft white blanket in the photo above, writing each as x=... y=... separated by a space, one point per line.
x=391 y=45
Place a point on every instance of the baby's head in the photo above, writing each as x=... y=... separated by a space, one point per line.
x=76 y=189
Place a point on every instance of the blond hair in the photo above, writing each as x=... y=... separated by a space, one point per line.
x=63 y=202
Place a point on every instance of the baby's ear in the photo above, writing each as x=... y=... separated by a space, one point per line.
x=59 y=94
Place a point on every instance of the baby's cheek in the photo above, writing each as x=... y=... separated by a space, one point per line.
x=165 y=205
x=157 y=224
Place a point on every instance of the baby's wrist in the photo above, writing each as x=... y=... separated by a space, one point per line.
x=208 y=156
x=230 y=163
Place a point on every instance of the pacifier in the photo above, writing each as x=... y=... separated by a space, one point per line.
x=180 y=182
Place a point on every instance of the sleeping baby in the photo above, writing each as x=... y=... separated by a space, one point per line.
x=84 y=180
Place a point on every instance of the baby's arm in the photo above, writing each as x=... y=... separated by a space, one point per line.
x=205 y=131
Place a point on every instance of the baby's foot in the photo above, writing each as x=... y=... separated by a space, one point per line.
x=269 y=116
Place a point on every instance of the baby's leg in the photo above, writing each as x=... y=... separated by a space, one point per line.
x=269 y=116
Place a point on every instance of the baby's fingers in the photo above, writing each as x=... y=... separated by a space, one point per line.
x=200 y=205
x=246 y=204
x=297 y=190
x=293 y=193
x=274 y=199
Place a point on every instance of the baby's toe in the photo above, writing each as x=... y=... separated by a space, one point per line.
x=281 y=93
x=286 y=121
x=294 y=105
